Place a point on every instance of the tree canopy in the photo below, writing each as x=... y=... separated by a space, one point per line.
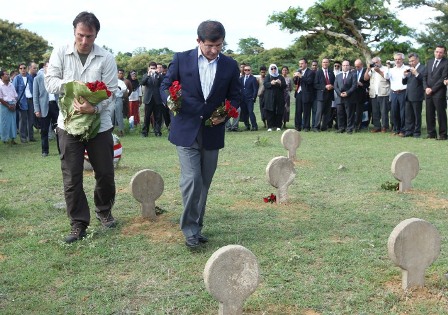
x=367 y=25
x=19 y=45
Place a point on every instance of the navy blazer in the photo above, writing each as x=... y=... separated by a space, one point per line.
x=322 y=94
x=361 y=93
x=195 y=109
x=250 y=88
x=350 y=86
x=307 y=86
x=414 y=90
x=434 y=79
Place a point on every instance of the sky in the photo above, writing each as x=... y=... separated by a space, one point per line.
x=128 y=25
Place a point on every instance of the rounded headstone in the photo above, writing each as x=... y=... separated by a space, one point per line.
x=405 y=168
x=414 y=245
x=147 y=185
x=280 y=172
x=291 y=140
x=231 y=275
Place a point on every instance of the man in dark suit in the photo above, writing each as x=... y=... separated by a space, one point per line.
x=414 y=96
x=360 y=95
x=435 y=93
x=152 y=99
x=323 y=83
x=345 y=86
x=207 y=78
x=304 y=81
x=249 y=86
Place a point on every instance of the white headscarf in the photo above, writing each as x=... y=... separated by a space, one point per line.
x=273 y=73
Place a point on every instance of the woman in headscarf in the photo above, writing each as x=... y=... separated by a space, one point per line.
x=135 y=97
x=274 y=98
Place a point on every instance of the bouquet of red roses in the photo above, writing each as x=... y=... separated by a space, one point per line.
x=272 y=198
x=226 y=110
x=77 y=124
x=174 y=100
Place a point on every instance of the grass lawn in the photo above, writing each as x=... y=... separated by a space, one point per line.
x=324 y=252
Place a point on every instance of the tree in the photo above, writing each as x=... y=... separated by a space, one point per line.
x=18 y=45
x=367 y=25
x=436 y=31
x=250 y=46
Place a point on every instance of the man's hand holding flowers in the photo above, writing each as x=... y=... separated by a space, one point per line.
x=83 y=108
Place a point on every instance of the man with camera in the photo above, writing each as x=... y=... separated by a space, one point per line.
x=398 y=94
x=414 y=96
x=152 y=99
x=379 y=91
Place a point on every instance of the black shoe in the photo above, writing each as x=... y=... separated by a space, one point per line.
x=76 y=234
x=202 y=238
x=247 y=128
x=144 y=135
x=106 y=219
x=254 y=129
x=430 y=137
x=192 y=241
x=340 y=131
x=33 y=140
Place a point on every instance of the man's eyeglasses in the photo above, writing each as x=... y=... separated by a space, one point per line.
x=22 y=68
x=246 y=69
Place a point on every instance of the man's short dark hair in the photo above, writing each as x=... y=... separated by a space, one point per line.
x=304 y=59
x=152 y=64
x=441 y=46
x=413 y=54
x=88 y=19
x=211 y=30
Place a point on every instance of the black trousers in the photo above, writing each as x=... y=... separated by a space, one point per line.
x=156 y=109
x=45 y=122
x=413 y=118
x=436 y=106
x=302 y=116
x=100 y=150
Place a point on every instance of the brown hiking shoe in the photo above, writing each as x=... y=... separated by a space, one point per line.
x=76 y=234
x=106 y=219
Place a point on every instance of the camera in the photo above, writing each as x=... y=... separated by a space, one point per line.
x=372 y=65
x=390 y=63
x=407 y=70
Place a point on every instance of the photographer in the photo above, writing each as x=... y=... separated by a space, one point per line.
x=152 y=99
x=379 y=91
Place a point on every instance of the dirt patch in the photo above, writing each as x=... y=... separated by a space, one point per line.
x=430 y=200
x=303 y=163
x=2 y=257
x=427 y=295
x=160 y=231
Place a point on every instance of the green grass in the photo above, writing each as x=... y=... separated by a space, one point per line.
x=325 y=252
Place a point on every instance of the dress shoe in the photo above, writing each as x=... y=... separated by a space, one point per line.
x=33 y=140
x=430 y=137
x=441 y=138
x=383 y=130
x=202 y=238
x=254 y=129
x=235 y=129
x=401 y=134
x=349 y=132
x=76 y=234
x=192 y=241
x=144 y=135
x=45 y=154
x=340 y=131
x=375 y=130
x=247 y=128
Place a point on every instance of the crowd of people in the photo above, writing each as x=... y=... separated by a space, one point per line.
x=350 y=98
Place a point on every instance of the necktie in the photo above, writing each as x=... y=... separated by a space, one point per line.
x=327 y=81
x=435 y=65
x=245 y=78
x=345 y=76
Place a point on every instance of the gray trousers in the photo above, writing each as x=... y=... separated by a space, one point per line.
x=26 y=121
x=197 y=167
x=380 y=112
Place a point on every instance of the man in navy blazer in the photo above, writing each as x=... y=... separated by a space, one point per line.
x=345 y=86
x=414 y=96
x=304 y=81
x=323 y=83
x=207 y=78
x=435 y=93
x=249 y=86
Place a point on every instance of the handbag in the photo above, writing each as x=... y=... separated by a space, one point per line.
x=21 y=94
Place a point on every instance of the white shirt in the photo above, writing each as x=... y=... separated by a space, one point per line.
x=395 y=76
x=207 y=72
x=65 y=66
x=122 y=88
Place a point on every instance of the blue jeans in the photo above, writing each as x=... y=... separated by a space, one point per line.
x=398 y=104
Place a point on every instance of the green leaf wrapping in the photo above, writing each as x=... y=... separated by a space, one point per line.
x=84 y=125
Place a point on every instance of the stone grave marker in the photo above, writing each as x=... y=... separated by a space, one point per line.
x=405 y=168
x=146 y=187
x=280 y=173
x=413 y=245
x=231 y=275
x=291 y=140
